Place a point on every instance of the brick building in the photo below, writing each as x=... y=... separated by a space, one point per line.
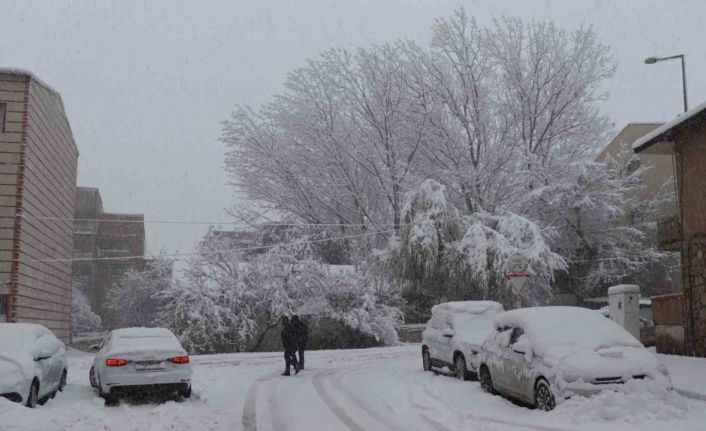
x=99 y=235
x=685 y=139
x=38 y=158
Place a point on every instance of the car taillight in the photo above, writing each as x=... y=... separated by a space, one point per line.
x=180 y=359
x=111 y=362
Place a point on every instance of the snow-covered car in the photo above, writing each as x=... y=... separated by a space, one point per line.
x=543 y=355
x=454 y=334
x=140 y=358
x=32 y=363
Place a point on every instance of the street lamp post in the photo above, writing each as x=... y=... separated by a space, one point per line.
x=653 y=60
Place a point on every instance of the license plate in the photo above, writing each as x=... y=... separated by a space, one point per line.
x=149 y=365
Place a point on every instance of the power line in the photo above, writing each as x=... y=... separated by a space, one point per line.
x=259 y=247
x=193 y=222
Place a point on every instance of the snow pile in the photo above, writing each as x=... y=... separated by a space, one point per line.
x=636 y=402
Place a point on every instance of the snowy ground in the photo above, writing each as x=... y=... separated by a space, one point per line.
x=373 y=389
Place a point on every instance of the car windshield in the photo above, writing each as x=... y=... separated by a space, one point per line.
x=474 y=327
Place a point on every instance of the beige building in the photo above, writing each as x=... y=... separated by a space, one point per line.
x=38 y=159
x=660 y=168
x=659 y=184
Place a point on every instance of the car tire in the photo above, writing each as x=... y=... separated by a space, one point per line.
x=92 y=378
x=460 y=368
x=486 y=381
x=62 y=382
x=543 y=396
x=110 y=399
x=185 y=392
x=33 y=397
x=426 y=360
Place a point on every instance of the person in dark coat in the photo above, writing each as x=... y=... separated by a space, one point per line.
x=302 y=334
x=289 y=342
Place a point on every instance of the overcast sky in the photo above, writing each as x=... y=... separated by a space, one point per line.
x=147 y=83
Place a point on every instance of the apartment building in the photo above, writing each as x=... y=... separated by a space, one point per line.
x=38 y=158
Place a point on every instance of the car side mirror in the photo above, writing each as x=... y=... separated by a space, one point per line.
x=94 y=348
x=522 y=346
x=448 y=333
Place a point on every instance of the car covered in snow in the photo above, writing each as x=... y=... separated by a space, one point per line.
x=32 y=363
x=543 y=355
x=130 y=359
x=454 y=334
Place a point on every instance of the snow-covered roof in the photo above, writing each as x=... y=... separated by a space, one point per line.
x=471 y=307
x=27 y=73
x=659 y=134
x=553 y=327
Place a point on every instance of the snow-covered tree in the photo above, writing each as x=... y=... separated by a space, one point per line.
x=83 y=319
x=230 y=300
x=505 y=120
x=134 y=300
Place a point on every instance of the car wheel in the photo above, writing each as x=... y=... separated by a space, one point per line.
x=486 y=382
x=543 y=397
x=426 y=360
x=62 y=382
x=33 y=398
x=92 y=377
x=185 y=391
x=460 y=369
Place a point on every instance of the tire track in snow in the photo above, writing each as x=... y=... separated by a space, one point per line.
x=250 y=406
x=274 y=407
x=318 y=381
x=338 y=384
x=491 y=419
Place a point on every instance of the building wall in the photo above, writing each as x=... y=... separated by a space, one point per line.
x=660 y=168
x=48 y=191
x=13 y=89
x=106 y=235
x=691 y=156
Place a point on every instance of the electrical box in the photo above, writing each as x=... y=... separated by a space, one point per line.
x=624 y=303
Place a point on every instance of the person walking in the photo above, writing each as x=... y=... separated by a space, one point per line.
x=302 y=334
x=289 y=342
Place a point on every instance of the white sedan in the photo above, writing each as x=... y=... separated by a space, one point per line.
x=543 y=355
x=139 y=358
x=32 y=363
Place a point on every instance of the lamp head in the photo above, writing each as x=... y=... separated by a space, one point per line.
x=651 y=60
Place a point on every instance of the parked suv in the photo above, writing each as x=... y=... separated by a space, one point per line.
x=454 y=334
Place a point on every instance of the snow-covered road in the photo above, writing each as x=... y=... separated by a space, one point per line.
x=372 y=389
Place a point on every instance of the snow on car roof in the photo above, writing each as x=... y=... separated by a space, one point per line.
x=19 y=334
x=549 y=327
x=142 y=333
x=472 y=307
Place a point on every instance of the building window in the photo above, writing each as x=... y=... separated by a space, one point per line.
x=3 y=116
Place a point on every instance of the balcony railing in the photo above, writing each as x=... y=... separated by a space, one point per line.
x=670 y=234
